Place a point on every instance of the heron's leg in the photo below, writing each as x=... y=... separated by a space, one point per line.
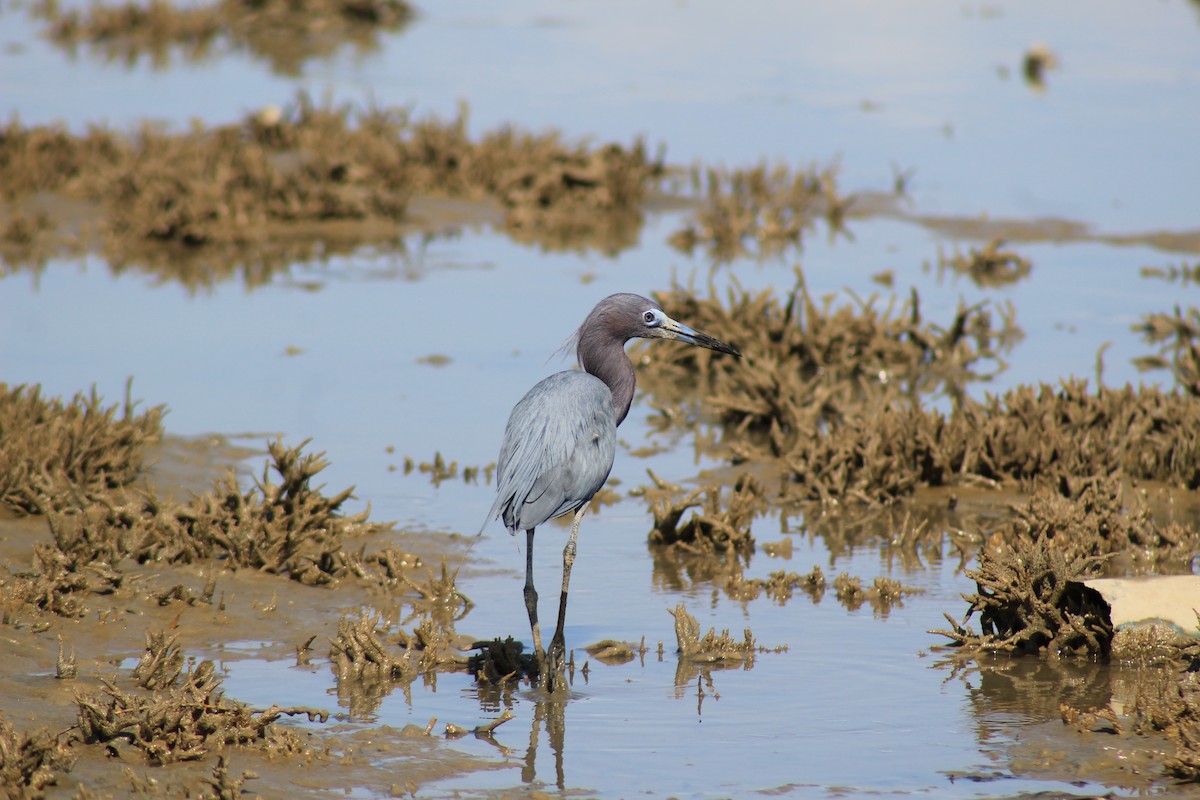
x=531 y=599
x=558 y=642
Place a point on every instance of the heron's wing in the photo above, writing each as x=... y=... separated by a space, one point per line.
x=558 y=449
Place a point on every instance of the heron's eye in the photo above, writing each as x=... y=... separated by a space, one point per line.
x=651 y=317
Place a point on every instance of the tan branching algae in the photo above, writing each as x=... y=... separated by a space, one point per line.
x=439 y=470
x=224 y=785
x=718 y=528
x=1029 y=596
x=247 y=182
x=710 y=647
x=1031 y=601
x=55 y=454
x=285 y=527
x=1183 y=273
x=183 y=722
x=806 y=363
x=57 y=583
x=834 y=398
x=363 y=666
x=439 y=597
x=1172 y=706
x=30 y=762
x=1100 y=519
x=779 y=586
x=162 y=662
x=1156 y=701
x=367 y=670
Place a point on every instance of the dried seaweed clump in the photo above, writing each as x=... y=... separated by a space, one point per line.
x=805 y=362
x=58 y=582
x=760 y=211
x=1098 y=519
x=990 y=266
x=161 y=663
x=367 y=670
x=1029 y=600
x=30 y=762
x=709 y=648
x=55 y=454
x=364 y=668
x=1178 y=339
x=184 y=722
x=245 y=183
x=1172 y=706
x=285 y=527
x=715 y=529
x=1165 y=702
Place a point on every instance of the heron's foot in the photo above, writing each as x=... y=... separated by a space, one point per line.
x=553 y=674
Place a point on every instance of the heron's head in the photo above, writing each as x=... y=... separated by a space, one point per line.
x=655 y=324
x=629 y=316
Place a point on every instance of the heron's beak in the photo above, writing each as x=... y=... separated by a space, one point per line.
x=670 y=329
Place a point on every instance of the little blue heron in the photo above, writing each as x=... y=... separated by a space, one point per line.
x=561 y=438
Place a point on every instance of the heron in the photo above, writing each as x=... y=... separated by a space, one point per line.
x=561 y=439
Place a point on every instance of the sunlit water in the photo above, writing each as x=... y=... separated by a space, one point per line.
x=854 y=701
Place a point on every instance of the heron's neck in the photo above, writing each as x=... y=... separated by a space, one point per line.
x=608 y=362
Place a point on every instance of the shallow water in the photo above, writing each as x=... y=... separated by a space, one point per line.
x=855 y=705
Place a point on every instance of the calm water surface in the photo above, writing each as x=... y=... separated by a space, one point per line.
x=854 y=704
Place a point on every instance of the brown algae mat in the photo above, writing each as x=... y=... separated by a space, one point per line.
x=1031 y=601
x=114 y=571
x=828 y=404
x=303 y=165
x=832 y=397
x=246 y=199
x=53 y=452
